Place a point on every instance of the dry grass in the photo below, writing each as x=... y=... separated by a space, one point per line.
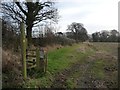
x=11 y=69
x=52 y=47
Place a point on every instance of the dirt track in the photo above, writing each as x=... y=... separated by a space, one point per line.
x=83 y=75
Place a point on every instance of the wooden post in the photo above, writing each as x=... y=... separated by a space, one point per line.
x=23 y=47
x=37 y=59
x=42 y=54
x=45 y=62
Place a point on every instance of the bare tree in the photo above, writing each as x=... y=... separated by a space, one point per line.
x=31 y=13
x=78 y=31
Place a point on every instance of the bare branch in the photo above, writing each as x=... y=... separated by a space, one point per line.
x=12 y=11
x=18 y=4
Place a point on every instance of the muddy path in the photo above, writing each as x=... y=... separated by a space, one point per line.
x=97 y=71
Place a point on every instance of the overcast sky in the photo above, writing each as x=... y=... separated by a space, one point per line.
x=96 y=15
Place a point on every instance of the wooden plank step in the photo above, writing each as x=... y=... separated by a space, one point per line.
x=30 y=64
x=30 y=55
x=33 y=66
x=31 y=50
x=31 y=61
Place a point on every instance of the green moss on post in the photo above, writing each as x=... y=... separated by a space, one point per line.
x=45 y=62
x=23 y=47
x=37 y=59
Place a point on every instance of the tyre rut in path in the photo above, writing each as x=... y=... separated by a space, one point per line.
x=61 y=77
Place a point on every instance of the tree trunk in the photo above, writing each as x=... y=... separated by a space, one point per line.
x=29 y=34
x=29 y=23
x=76 y=37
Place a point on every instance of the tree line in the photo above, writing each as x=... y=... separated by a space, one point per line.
x=106 y=36
x=78 y=32
x=35 y=12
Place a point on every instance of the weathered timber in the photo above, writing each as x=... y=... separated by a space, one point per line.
x=30 y=56
x=23 y=47
x=37 y=59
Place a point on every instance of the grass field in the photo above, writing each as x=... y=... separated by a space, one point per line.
x=79 y=66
